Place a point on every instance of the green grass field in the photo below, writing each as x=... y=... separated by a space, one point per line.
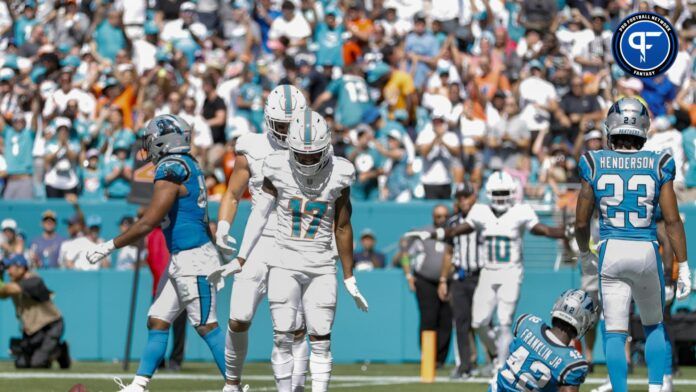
x=197 y=377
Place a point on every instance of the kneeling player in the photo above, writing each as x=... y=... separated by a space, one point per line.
x=309 y=189
x=541 y=358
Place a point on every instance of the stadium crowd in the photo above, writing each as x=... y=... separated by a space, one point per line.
x=420 y=94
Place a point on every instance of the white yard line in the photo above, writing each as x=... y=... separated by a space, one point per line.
x=355 y=380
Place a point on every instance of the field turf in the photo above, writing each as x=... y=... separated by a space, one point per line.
x=198 y=377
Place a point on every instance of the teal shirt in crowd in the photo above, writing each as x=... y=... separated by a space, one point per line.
x=109 y=40
x=689 y=143
x=330 y=45
x=352 y=99
x=364 y=162
x=252 y=93
x=18 y=150
x=92 y=181
x=120 y=187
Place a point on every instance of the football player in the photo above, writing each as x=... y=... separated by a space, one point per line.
x=179 y=204
x=626 y=185
x=309 y=189
x=502 y=225
x=541 y=357
x=251 y=284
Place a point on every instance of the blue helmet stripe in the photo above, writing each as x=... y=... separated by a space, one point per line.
x=308 y=127
x=288 y=100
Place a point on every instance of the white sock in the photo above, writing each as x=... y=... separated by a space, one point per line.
x=300 y=354
x=667 y=383
x=141 y=381
x=320 y=362
x=282 y=361
x=236 y=346
x=503 y=342
x=654 y=388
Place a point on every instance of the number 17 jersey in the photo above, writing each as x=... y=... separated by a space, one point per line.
x=626 y=188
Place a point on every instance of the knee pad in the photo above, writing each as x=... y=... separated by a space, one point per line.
x=281 y=357
x=320 y=361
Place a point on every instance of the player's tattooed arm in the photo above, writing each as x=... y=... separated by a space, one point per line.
x=458 y=230
x=343 y=230
x=583 y=216
x=235 y=189
x=673 y=223
x=163 y=198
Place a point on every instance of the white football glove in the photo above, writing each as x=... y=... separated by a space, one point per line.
x=100 y=251
x=225 y=243
x=352 y=287
x=588 y=263
x=224 y=271
x=684 y=280
x=669 y=293
x=422 y=235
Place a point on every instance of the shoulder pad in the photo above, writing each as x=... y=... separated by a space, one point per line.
x=172 y=169
x=345 y=171
x=519 y=322
x=575 y=372
x=246 y=143
x=274 y=163
x=666 y=167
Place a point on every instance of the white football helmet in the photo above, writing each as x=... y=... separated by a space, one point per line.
x=282 y=103
x=309 y=141
x=501 y=189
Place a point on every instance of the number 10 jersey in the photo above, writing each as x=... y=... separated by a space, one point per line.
x=627 y=187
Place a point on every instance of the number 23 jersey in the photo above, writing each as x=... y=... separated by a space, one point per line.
x=305 y=227
x=626 y=188
x=538 y=362
x=502 y=235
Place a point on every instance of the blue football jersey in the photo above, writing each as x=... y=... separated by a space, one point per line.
x=627 y=187
x=186 y=224
x=536 y=363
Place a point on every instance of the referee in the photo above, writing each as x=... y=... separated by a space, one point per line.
x=459 y=277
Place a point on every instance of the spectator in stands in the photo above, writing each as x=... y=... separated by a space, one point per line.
x=40 y=320
x=577 y=110
x=109 y=37
x=61 y=161
x=421 y=49
x=13 y=241
x=214 y=110
x=352 y=98
x=536 y=97
x=19 y=135
x=425 y=261
x=45 y=248
x=509 y=138
x=368 y=165
x=92 y=177
x=368 y=258
x=127 y=258
x=291 y=24
x=396 y=167
x=118 y=171
x=73 y=251
x=438 y=147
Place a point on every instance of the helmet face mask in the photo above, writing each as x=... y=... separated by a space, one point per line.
x=500 y=189
x=576 y=308
x=309 y=141
x=166 y=134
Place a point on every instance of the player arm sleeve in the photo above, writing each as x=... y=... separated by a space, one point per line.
x=531 y=217
x=256 y=223
x=518 y=323
x=667 y=169
x=586 y=167
x=473 y=218
x=574 y=374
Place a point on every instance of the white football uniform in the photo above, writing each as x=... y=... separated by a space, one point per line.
x=250 y=285
x=501 y=276
x=303 y=272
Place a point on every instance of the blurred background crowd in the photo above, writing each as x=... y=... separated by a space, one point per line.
x=421 y=95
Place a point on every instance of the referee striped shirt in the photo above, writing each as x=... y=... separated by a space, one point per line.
x=465 y=248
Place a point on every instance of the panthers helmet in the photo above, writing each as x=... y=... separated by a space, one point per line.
x=166 y=134
x=282 y=103
x=309 y=141
x=627 y=116
x=576 y=308
x=501 y=189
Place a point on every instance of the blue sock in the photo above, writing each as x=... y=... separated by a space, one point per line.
x=154 y=352
x=216 y=342
x=668 y=356
x=615 y=352
x=655 y=352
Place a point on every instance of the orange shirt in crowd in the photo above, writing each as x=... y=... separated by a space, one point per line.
x=125 y=101
x=491 y=83
x=351 y=52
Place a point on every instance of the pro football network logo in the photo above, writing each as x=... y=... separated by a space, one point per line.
x=645 y=44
